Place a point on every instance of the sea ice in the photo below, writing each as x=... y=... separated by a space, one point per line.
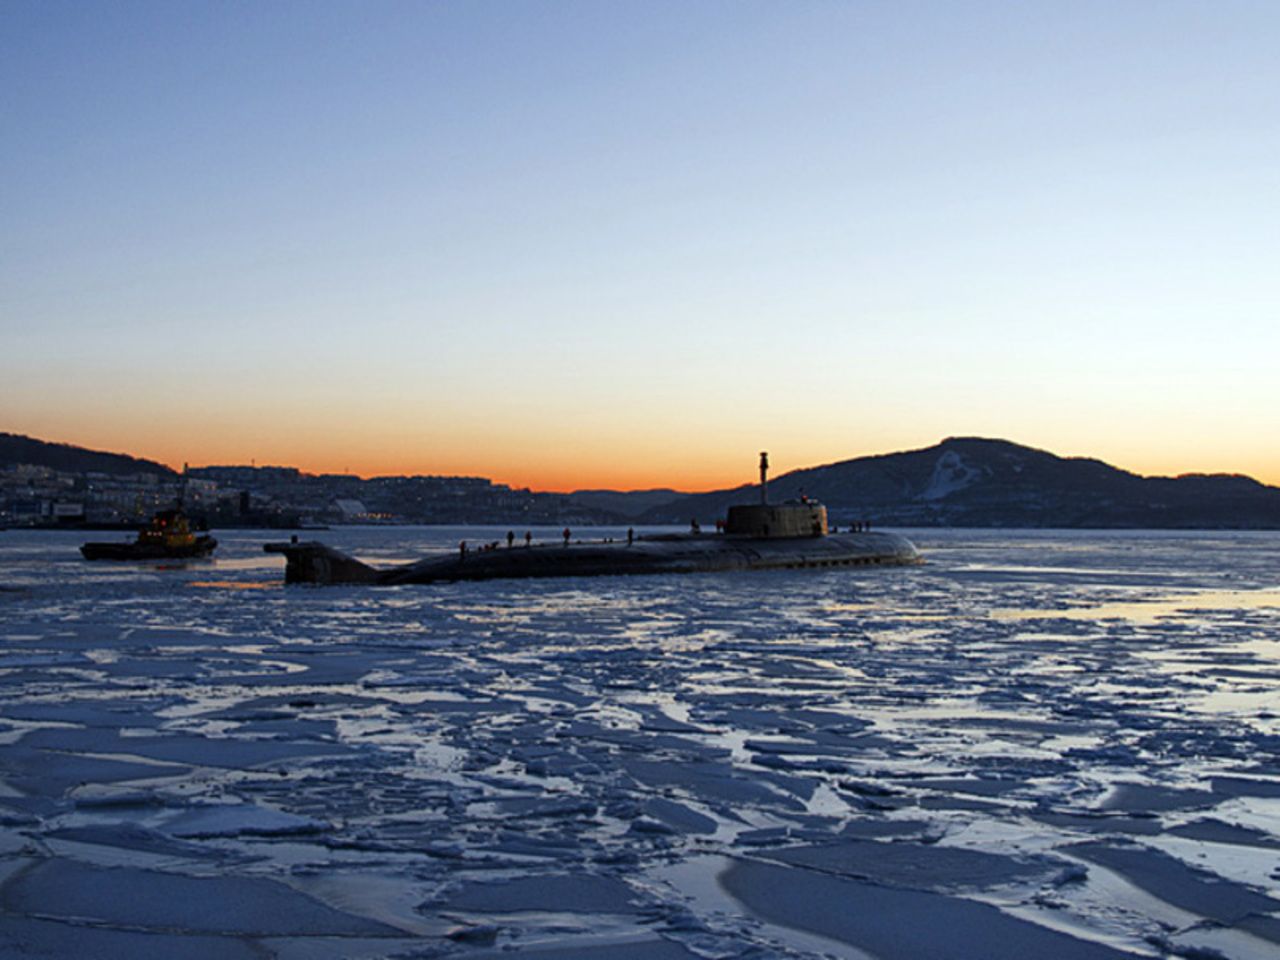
x=124 y=897
x=1038 y=744
x=892 y=922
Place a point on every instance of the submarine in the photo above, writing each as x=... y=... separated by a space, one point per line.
x=760 y=536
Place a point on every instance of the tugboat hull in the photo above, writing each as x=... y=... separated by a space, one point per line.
x=202 y=547
x=313 y=562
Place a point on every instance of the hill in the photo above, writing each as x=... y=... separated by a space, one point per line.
x=16 y=449
x=626 y=506
x=961 y=482
x=976 y=482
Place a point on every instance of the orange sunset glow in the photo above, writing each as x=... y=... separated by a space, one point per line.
x=556 y=460
x=493 y=273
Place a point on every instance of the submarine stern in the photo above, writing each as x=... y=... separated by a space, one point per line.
x=314 y=562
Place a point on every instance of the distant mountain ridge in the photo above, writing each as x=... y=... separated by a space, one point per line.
x=631 y=504
x=18 y=449
x=979 y=482
x=962 y=481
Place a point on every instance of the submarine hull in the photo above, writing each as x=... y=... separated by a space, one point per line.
x=314 y=562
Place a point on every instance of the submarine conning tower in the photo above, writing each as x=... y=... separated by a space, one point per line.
x=763 y=519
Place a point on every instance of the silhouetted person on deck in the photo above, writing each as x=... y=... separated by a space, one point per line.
x=462 y=549
x=566 y=536
x=511 y=539
x=528 y=539
x=631 y=535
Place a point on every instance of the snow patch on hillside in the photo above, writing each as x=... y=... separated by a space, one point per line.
x=950 y=475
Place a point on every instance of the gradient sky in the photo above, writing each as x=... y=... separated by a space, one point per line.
x=633 y=243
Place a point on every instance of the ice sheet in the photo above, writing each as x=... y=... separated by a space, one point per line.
x=1038 y=744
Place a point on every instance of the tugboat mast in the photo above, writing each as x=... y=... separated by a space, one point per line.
x=764 y=479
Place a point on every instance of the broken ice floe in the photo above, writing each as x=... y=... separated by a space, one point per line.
x=1037 y=745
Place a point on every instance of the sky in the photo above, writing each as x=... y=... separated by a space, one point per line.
x=631 y=244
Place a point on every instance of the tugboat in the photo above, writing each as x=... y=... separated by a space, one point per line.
x=168 y=537
x=761 y=536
